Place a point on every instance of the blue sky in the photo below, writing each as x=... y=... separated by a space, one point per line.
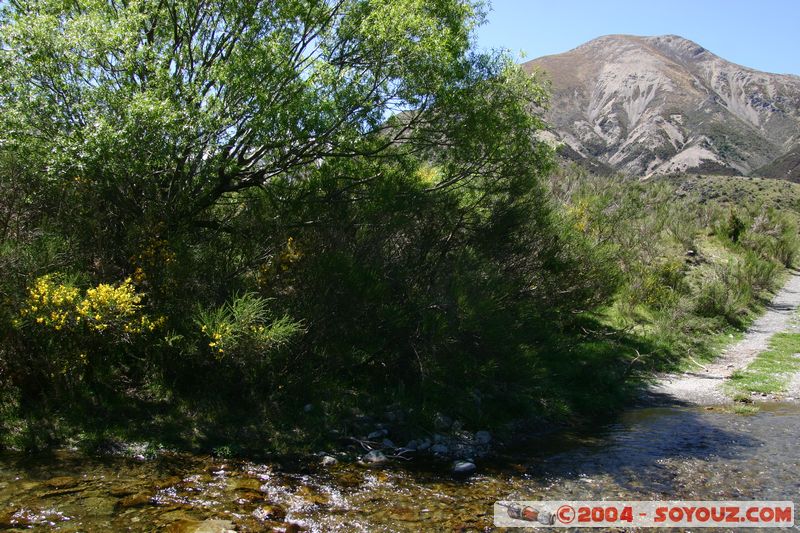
x=761 y=34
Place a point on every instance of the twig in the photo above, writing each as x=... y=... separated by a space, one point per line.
x=695 y=362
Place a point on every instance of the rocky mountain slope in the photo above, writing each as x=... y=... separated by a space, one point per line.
x=657 y=105
x=786 y=167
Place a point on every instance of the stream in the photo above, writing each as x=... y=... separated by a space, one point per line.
x=688 y=453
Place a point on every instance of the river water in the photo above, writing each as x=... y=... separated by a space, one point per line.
x=649 y=453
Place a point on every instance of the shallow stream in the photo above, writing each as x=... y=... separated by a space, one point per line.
x=650 y=453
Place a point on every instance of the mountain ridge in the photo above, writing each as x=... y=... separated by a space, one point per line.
x=665 y=104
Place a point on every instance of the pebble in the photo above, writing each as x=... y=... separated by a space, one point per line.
x=464 y=468
x=388 y=444
x=328 y=460
x=375 y=457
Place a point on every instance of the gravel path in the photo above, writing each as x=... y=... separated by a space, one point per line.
x=703 y=386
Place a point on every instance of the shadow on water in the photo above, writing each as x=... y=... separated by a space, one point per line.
x=640 y=452
x=638 y=443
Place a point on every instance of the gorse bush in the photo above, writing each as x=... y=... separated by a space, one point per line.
x=106 y=309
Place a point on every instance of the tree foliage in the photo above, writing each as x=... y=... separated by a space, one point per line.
x=309 y=197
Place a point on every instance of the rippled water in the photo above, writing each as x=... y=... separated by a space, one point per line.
x=655 y=453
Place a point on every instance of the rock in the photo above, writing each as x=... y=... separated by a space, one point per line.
x=328 y=460
x=464 y=468
x=387 y=443
x=412 y=445
x=404 y=514
x=187 y=525
x=7 y=519
x=424 y=445
x=377 y=434
x=349 y=479
x=438 y=438
x=293 y=528
x=122 y=491
x=270 y=512
x=167 y=482
x=15 y=519
x=244 y=483
x=62 y=482
x=439 y=449
x=375 y=457
x=137 y=500
x=214 y=526
x=308 y=408
x=483 y=437
x=311 y=496
x=250 y=496
x=442 y=422
x=100 y=505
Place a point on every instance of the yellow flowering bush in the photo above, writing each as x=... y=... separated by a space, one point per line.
x=105 y=307
x=50 y=304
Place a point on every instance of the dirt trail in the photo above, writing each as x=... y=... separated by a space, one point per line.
x=703 y=386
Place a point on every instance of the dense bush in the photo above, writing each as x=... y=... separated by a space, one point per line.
x=216 y=217
x=689 y=268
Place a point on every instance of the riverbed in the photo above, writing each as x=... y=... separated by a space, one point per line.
x=690 y=453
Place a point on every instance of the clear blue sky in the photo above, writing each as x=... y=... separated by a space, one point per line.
x=761 y=34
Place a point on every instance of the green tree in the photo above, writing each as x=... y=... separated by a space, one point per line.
x=164 y=107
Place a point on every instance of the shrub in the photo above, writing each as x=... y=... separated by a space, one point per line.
x=115 y=311
x=724 y=295
x=243 y=329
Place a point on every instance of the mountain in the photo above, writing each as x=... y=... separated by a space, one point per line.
x=786 y=167
x=658 y=105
